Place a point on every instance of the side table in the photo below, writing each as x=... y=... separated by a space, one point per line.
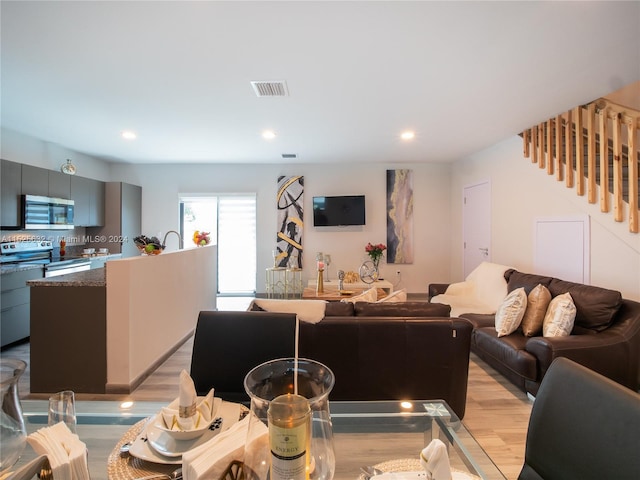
x=293 y=281
x=276 y=281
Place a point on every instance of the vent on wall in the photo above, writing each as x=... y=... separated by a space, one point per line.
x=289 y=155
x=270 y=89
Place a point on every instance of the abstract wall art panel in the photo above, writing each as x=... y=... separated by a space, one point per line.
x=399 y=216
x=290 y=221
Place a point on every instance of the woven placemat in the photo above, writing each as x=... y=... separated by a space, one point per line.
x=128 y=467
x=413 y=465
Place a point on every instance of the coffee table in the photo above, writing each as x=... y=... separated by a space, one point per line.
x=365 y=433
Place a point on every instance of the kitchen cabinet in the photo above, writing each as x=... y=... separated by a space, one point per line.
x=48 y=183
x=122 y=219
x=59 y=184
x=10 y=209
x=35 y=180
x=15 y=298
x=88 y=195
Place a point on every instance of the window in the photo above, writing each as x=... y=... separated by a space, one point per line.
x=231 y=221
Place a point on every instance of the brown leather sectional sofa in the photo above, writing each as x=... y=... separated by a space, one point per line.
x=605 y=336
x=394 y=351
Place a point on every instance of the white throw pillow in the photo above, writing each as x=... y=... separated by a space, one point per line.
x=397 y=296
x=370 y=295
x=510 y=312
x=560 y=316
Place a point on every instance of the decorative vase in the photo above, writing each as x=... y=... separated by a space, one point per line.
x=320 y=282
x=290 y=397
x=13 y=434
x=376 y=267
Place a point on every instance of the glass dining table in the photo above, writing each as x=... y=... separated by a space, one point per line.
x=386 y=434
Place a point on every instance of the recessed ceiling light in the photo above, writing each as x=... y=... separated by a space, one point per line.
x=268 y=134
x=408 y=135
x=129 y=135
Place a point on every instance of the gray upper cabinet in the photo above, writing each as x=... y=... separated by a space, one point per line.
x=123 y=219
x=88 y=197
x=35 y=180
x=11 y=189
x=59 y=185
x=48 y=183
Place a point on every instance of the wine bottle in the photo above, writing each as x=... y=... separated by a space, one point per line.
x=289 y=418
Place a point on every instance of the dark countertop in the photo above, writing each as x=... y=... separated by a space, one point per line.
x=88 y=278
x=4 y=269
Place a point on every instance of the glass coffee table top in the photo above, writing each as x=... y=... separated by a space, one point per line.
x=365 y=433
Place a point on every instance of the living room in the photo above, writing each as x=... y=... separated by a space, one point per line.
x=520 y=192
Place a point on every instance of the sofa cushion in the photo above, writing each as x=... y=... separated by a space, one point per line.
x=595 y=307
x=401 y=309
x=370 y=295
x=537 y=304
x=528 y=281
x=560 y=316
x=339 y=309
x=510 y=312
x=397 y=296
x=508 y=351
x=480 y=320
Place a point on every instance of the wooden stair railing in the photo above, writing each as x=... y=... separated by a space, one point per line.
x=591 y=145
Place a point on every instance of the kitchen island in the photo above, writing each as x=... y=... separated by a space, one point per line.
x=106 y=330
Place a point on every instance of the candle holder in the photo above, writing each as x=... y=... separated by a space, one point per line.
x=320 y=282
x=295 y=380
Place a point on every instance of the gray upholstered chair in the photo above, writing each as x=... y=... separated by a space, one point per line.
x=583 y=426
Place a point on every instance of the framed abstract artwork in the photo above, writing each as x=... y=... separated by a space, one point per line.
x=290 y=221
x=399 y=216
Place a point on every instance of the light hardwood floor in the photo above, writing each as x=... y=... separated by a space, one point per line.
x=497 y=413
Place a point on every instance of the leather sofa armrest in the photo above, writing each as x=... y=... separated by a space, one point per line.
x=437 y=289
x=601 y=352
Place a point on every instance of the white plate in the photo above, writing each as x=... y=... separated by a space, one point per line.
x=455 y=475
x=166 y=445
x=148 y=446
x=141 y=449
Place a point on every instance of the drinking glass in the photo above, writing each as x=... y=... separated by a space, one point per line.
x=13 y=434
x=302 y=377
x=62 y=408
x=327 y=262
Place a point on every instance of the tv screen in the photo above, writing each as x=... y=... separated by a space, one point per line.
x=338 y=211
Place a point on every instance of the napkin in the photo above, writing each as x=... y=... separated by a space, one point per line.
x=212 y=458
x=67 y=454
x=435 y=461
x=187 y=412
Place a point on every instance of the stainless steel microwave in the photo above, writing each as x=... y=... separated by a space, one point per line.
x=46 y=213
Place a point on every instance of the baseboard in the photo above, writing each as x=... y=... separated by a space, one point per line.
x=119 y=388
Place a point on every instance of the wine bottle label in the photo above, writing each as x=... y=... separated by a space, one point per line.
x=288 y=452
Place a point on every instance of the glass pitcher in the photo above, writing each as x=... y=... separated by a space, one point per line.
x=13 y=434
x=289 y=379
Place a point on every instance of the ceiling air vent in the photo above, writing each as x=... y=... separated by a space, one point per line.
x=270 y=89
x=289 y=155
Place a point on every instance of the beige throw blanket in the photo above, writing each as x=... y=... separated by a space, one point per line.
x=310 y=311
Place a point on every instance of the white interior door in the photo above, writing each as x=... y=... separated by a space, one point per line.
x=476 y=225
x=562 y=248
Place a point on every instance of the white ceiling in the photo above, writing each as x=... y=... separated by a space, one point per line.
x=463 y=75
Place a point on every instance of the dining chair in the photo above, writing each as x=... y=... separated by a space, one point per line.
x=583 y=426
x=272 y=335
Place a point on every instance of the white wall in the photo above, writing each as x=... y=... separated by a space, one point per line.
x=163 y=184
x=20 y=148
x=521 y=192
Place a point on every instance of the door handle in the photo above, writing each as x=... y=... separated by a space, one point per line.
x=485 y=250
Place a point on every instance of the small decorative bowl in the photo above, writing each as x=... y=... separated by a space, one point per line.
x=187 y=434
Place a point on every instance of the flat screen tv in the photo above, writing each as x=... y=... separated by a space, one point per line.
x=338 y=211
